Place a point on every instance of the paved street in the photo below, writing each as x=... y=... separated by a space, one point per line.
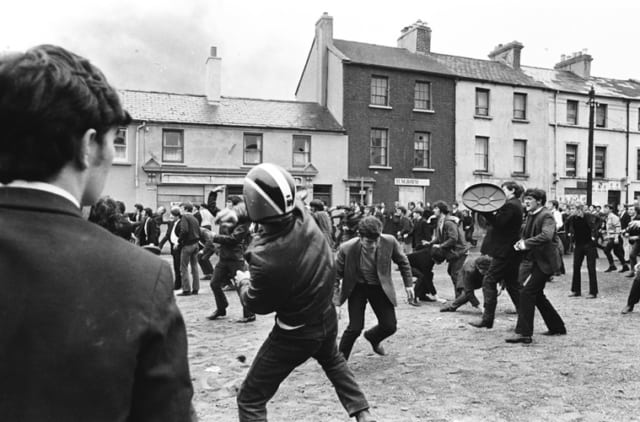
x=439 y=368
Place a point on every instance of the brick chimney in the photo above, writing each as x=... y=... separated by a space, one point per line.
x=324 y=38
x=508 y=54
x=578 y=63
x=416 y=38
x=213 y=77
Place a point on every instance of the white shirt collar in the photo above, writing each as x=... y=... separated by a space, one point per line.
x=537 y=210
x=43 y=186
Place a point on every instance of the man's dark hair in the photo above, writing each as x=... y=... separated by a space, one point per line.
x=234 y=199
x=515 y=187
x=138 y=207
x=316 y=205
x=537 y=194
x=555 y=204
x=370 y=227
x=148 y=212
x=188 y=206
x=50 y=98
x=442 y=206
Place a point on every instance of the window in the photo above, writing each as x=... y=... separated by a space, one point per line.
x=639 y=119
x=322 y=192
x=379 y=91
x=252 y=148
x=638 y=164
x=571 y=161
x=301 y=150
x=519 y=156
x=601 y=115
x=172 y=146
x=422 y=98
x=482 y=102
x=120 y=144
x=378 y=146
x=422 y=150
x=482 y=153
x=600 y=162
x=572 y=112
x=519 y=106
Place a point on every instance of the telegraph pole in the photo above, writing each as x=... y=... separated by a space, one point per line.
x=592 y=108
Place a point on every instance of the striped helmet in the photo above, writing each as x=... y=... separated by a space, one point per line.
x=269 y=191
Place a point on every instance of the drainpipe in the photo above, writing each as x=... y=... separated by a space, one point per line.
x=626 y=162
x=137 y=166
x=555 y=144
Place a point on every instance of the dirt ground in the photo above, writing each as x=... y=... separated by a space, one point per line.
x=438 y=368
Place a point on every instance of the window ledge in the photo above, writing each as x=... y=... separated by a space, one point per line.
x=173 y=164
x=520 y=120
x=423 y=170
x=520 y=175
x=478 y=116
x=122 y=163
x=380 y=168
x=482 y=173
x=380 y=107
x=423 y=110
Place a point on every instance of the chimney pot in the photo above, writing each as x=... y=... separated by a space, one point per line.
x=416 y=38
x=577 y=62
x=508 y=54
x=213 y=77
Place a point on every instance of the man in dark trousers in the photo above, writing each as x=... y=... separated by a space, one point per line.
x=364 y=265
x=292 y=273
x=583 y=228
x=171 y=236
x=188 y=238
x=539 y=245
x=470 y=278
x=502 y=233
x=90 y=330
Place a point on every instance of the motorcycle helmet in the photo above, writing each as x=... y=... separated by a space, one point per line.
x=269 y=191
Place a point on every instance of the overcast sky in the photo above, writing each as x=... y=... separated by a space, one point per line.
x=162 y=45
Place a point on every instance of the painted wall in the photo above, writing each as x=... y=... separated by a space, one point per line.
x=335 y=88
x=501 y=129
x=308 y=87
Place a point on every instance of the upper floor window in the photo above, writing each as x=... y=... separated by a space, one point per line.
x=378 y=146
x=379 y=90
x=252 y=148
x=601 y=115
x=519 y=106
x=172 y=146
x=638 y=164
x=519 y=156
x=482 y=153
x=120 y=144
x=482 y=102
x=600 y=161
x=422 y=150
x=422 y=96
x=571 y=160
x=572 y=112
x=639 y=119
x=301 y=150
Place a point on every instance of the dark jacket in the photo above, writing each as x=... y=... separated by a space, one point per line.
x=593 y=221
x=421 y=231
x=503 y=230
x=233 y=245
x=292 y=271
x=189 y=229
x=149 y=232
x=451 y=239
x=90 y=330
x=541 y=242
x=388 y=251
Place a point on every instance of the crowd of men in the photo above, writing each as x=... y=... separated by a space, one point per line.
x=90 y=315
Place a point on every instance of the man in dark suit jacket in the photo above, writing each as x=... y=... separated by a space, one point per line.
x=364 y=265
x=172 y=236
x=90 y=330
x=502 y=233
x=541 y=260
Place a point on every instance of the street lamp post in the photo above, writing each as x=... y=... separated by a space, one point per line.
x=592 y=106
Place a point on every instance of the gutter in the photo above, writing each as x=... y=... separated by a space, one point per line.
x=626 y=161
x=137 y=163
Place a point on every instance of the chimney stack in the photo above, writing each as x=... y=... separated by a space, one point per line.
x=578 y=63
x=213 y=79
x=324 y=39
x=416 y=38
x=508 y=54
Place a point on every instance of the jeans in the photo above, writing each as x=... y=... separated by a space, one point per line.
x=618 y=250
x=579 y=252
x=177 y=278
x=224 y=271
x=531 y=297
x=282 y=352
x=382 y=307
x=502 y=269
x=189 y=256
x=453 y=269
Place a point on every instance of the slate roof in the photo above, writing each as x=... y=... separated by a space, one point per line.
x=231 y=111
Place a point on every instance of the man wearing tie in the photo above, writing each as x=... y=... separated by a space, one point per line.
x=541 y=258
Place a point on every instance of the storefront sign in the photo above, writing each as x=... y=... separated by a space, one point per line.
x=411 y=182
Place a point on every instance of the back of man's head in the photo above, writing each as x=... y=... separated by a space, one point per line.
x=188 y=206
x=50 y=99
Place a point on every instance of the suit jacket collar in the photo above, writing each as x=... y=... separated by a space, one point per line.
x=36 y=200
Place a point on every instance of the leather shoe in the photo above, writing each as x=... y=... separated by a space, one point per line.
x=194 y=292
x=555 y=333
x=481 y=324
x=631 y=274
x=519 y=339
x=377 y=348
x=364 y=416
x=627 y=309
x=624 y=269
x=217 y=314
x=591 y=296
x=244 y=320
x=574 y=294
x=610 y=269
x=447 y=309
x=184 y=293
